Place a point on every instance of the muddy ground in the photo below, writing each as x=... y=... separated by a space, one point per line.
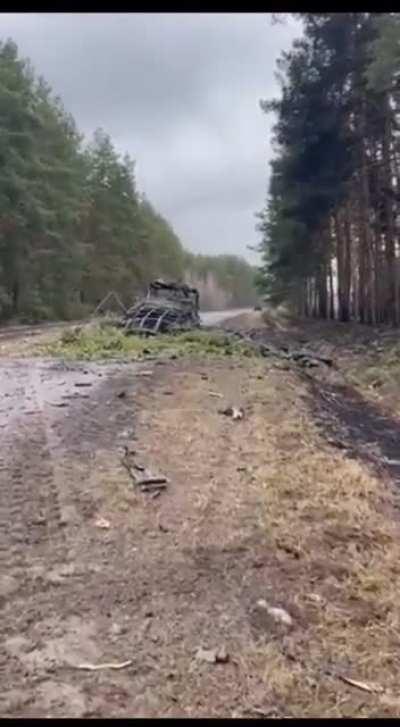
x=94 y=572
x=167 y=577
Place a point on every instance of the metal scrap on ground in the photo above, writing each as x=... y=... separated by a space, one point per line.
x=212 y=656
x=233 y=411
x=111 y=296
x=303 y=357
x=167 y=307
x=142 y=477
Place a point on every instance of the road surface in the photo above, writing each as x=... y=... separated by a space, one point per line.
x=213 y=318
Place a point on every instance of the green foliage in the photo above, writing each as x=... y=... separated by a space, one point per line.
x=97 y=343
x=383 y=71
x=72 y=223
x=314 y=153
x=160 y=253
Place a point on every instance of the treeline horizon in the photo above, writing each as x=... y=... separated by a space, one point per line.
x=330 y=228
x=73 y=225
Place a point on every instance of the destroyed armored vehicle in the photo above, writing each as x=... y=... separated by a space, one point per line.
x=168 y=307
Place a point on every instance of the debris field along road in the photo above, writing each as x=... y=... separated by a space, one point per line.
x=138 y=575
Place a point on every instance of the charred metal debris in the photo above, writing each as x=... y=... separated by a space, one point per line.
x=168 y=307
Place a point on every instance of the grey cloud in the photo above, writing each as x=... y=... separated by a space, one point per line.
x=180 y=93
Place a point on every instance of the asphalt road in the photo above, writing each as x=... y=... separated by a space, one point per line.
x=212 y=318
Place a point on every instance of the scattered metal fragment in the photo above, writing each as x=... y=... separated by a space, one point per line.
x=212 y=656
x=102 y=523
x=110 y=296
x=302 y=357
x=222 y=656
x=208 y=655
x=216 y=394
x=146 y=480
x=154 y=483
x=337 y=443
x=232 y=411
x=393 y=462
x=278 y=614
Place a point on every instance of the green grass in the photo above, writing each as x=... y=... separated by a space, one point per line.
x=105 y=342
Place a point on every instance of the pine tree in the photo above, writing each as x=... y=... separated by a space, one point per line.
x=72 y=223
x=330 y=231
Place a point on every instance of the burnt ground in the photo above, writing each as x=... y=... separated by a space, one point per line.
x=366 y=430
x=168 y=575
x=359 y=427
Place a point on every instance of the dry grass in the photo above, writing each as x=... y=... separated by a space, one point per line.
x=330 y=523
x=333 y=544
x=277 y=318
x=377 y=375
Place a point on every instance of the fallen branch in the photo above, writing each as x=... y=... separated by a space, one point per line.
x=364 y=686
x=98 y=667
x=332 y=672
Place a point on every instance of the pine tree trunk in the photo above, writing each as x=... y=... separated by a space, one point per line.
x=340 y=255
x=346 y=286
x=362 y=298
x=331 y=292
x=367 y=244
x=391 y=310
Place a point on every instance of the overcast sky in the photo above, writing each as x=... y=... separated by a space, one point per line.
x=179 y=92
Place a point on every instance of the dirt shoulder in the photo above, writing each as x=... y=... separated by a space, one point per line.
x=262 y=579
x=310 y=531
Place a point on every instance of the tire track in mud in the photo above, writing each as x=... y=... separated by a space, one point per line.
x=11 y=481
x=47 y=495
x=30 y=519
x=47 y=471
x=46 y=455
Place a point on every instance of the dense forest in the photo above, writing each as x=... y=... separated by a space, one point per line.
x=330 y=228
x=73 y=225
